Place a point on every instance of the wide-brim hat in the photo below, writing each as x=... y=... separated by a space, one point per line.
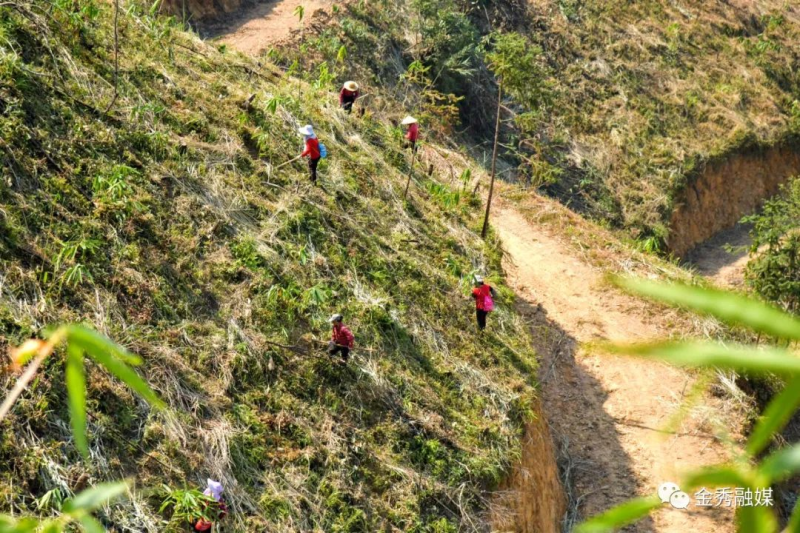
x=351 y=86
x=409 y=120
x=477 y=279
x=336 y=318
x=214 y=489
x=306 y=130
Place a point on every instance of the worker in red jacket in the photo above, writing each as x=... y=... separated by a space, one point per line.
x=484 y=296
x=215 y=508
x=310 y=150
x=412 y=134
x=342 y=340
x=348 y=95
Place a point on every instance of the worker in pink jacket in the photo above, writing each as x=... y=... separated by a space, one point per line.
x=412 y=134
x=310 y=150
x=342 y=340
x=484 y=296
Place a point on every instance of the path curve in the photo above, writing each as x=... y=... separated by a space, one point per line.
x=264 y=24
x=713 y=260
x=607 y=411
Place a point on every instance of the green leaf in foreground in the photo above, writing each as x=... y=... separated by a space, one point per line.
x=781 y=464
x=619 y=516
x=775 y=416
x=716 y=476
x=756 y=519
x=737 y=357
x=92 y=342
x=726 y=306
x=794 y=521
x=125 y=374
x=76 y=395
x=92 y=498
x=91 y=525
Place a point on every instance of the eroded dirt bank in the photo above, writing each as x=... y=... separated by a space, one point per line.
x=532 y=497
x=726 y=190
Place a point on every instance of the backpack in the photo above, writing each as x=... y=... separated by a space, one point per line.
x=323 y=152
x=488 y=303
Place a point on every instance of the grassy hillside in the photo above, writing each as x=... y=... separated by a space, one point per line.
x=141 y=200
x=639 y=94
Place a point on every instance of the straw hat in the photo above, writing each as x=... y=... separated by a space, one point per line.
x=306 y=130
x=351 y=86
x=409 y=120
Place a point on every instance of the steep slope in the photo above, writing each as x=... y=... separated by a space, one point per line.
x=146 y=200
x=640 y=100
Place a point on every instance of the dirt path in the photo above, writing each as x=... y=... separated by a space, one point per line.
x=712 y=260
x=608 y=412
x=255 y=29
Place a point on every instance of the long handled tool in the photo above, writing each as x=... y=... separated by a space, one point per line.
x=287 y=162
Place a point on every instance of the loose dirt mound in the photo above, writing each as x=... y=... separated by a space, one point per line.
x=255 y=29
x=607 y=412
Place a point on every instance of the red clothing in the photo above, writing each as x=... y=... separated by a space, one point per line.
x=312 y=148
x=349 y=95
x=480 y=294
x=205 y=525
x=343 y=337
x=413 y=132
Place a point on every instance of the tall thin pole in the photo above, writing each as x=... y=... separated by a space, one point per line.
x=494 y=160
x=116 y=56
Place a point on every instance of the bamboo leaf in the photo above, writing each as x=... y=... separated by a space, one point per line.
x=51 y=526
x=91 y=525
x=93 y=342
x=755 y=520
x=781 y=464
x=26 y=525
x=619 y=516
x=92 y=498
x=775 y=416
x=76 y=393
x=794 y=520
x=717 y=476
x=127 y=375
x=738 y=357
x=726 y=306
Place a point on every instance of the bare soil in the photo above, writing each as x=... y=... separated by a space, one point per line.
x=724 y=257
x=725 y=190
x=262 y=25
x=608 y=413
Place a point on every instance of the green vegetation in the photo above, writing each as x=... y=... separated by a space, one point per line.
x=639 y=94
x=147 y=200
x=79 y=341
x=774 y=269
x=186 y=506
x=143 y=191
x=751 y=470
x=75 y=510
